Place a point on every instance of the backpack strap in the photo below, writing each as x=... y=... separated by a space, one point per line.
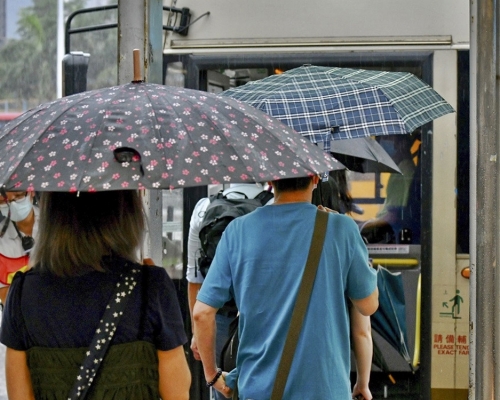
x=264 y=196
x=104 y=334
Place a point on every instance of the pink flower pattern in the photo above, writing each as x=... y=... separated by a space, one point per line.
x=181 y=138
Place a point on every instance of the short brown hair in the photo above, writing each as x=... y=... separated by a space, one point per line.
x=77 y=230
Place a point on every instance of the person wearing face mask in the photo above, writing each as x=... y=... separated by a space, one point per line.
x=18 y=227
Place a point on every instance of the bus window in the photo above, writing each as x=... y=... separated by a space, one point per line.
x=172 y=216
x=389 y=203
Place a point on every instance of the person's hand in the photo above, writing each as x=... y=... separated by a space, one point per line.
x=221 y=387
x=322 y=208
x=148 y=261
x=361 y=392
x=194 y=349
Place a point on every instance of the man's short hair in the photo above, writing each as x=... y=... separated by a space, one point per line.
x=292 y=184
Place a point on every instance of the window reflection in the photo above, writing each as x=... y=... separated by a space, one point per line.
x=389 y=203
x=172 y=232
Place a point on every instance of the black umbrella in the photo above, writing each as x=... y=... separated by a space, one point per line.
x=142 y=135
x=379 y=361
x=363 y=155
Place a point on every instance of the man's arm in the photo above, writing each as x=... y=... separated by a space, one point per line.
x=368 y=305
x=363 y=352
x=193 y=289
x=205 y=331
x=194 y=276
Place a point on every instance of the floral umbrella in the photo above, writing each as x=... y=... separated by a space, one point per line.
x=141 y=135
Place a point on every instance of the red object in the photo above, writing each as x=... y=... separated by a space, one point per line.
x=9 y=266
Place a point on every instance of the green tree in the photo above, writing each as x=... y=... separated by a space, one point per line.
x=28 y=69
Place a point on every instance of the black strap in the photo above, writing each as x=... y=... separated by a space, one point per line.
x=301 y=304
x=264 y=196
x=3 y=194
x=104 y=334
x=27 y=241
x=5 y=224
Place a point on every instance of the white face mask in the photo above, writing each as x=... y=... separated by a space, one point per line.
x=19 y=210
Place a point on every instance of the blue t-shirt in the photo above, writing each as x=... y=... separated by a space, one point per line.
x=63 y=312
x=260 y=260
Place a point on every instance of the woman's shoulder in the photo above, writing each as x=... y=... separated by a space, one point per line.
x=153 y=271
x=155 y=277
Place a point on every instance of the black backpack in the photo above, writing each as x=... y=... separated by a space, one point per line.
x=218 y=215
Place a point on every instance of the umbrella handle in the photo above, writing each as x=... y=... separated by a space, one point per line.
x=137 y=66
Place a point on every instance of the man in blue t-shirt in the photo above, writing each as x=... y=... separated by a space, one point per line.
x=259 y=261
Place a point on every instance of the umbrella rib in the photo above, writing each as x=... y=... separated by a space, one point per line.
x=226 y=139
x=81 y=97
x=90 y=143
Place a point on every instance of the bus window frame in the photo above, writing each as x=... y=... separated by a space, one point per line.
x=196 y=66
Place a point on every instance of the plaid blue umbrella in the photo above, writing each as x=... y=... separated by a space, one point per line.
x=340 y=103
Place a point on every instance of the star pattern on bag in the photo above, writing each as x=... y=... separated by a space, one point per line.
x=104 y=334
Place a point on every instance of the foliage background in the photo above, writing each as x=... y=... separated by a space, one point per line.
x=28 y=69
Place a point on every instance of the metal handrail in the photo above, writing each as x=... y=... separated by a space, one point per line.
x=182 y=30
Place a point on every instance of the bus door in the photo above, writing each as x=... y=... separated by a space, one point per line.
x=407 y=246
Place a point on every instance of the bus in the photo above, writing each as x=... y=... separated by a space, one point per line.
x=223 y=47
x=6 y=117
x=430 y=39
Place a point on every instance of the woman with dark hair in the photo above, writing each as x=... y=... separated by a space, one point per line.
x=334 y=193
x=86 y=242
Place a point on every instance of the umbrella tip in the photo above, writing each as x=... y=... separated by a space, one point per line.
x=137 y=66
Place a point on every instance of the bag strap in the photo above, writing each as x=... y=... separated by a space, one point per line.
x=104 y=334
x=301 y=304
x=264 y=196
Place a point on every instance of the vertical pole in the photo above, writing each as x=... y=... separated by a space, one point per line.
x=131 y=35
x=487 y=206
x=495 y=188
x=60 y=46
x=140 y=27
x=472 y=199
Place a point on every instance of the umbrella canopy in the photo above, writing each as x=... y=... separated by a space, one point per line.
x=389 y=321
x=140 y=135
x=343 y=103
x=363 y=155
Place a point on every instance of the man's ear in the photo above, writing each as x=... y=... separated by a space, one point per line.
x=315 y=179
